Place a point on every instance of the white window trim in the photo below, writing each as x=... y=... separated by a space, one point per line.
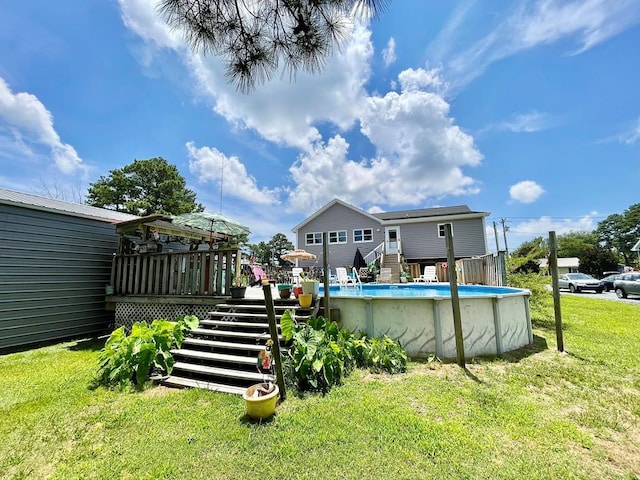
x=338 y=242
x=363 y=235
x=306 y=238
x=441 y=226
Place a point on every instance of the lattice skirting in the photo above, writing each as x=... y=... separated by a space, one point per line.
x=129 y=313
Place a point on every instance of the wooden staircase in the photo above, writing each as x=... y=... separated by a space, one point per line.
x=391 y=261
x=222 y=354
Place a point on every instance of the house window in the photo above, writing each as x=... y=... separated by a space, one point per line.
x=338 y=237
x=314 y=238
x=442 y=230
x=363 y=235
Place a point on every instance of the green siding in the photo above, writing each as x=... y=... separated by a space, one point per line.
x=53 y=269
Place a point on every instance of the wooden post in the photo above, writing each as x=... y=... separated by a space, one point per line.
x=275 y=348
x=325 y=269
x=455 y=299
x=553 y=267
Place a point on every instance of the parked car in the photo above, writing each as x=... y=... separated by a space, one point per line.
x=607 y=282
x=577 y=282
x=627 y=284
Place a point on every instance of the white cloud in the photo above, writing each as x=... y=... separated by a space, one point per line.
x=141 y=16
x=421 y=79
x=420 y=155
x=532 y=23
x=632 y=136
x=545 y=224
x=526 y=191
x=420 y=151
x=525 y=123
x=26 y=122
x=520 y=232
x=211 y=165
x=389 y=53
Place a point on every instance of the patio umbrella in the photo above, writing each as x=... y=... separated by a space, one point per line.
x=213 y=222
x=298 y=254
x=358 y=260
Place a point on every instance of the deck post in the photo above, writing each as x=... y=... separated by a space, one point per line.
x=273 y=330
x=455 y=299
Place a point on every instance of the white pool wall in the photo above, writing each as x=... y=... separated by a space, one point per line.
x=491 y=324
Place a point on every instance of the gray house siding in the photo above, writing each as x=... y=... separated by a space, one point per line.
x=53 y=269
x=337 y=218
x=420 y=241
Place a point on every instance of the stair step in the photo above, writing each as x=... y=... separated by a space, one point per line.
x=235 y=324
x=222 y=372
x=219 y=313
x=232 y=334
x=255 y=307
x=175 y=381
x=219 y=344
x=238 y=359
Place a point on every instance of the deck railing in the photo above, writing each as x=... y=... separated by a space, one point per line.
x=374 y=254
x=207 y=273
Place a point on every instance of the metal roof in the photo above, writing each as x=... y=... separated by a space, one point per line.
x=424 y=212
x=37 y=202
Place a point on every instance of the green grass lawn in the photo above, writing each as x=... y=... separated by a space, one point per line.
x=533 y=414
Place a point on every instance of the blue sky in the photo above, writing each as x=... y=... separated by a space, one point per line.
x=529 y=110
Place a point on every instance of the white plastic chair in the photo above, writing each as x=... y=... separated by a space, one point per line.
x=296 y=275
x=343 y=278
x=429 y=275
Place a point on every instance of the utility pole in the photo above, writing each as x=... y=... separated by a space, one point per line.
x=505 y=229
x=495 y=234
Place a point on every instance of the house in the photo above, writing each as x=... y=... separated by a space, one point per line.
x=416 y=237
x=55 y=260
x=565 y=265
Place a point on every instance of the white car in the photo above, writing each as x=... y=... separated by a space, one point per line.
x=577 y=282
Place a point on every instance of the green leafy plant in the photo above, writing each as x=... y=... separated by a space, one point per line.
x=321 y=355
x=240 y=280
x=384 y=355
x=128 y=360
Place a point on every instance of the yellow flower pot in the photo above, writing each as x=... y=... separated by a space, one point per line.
x=305 y=300
x=260 y=407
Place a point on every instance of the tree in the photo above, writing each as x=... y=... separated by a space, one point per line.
x=594 y=258
x=265 y=253
x=254 y=36
x=621 y=231
x=280 y=244
x=576 y=244
x=143 y=188
x=526 y=258
x=260 y=252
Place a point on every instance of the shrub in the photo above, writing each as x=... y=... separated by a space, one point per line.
x=541 y=300
x=128 y=360
x=321 y=354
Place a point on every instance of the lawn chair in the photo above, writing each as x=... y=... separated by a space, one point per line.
x=429 y=275
x=259 y=275
x=344 y=279
x=296 y=275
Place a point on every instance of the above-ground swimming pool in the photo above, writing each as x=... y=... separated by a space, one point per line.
x=420 y=316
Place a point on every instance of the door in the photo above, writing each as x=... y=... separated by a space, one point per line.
x=392 y=239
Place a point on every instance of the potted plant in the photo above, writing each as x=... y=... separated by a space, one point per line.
x=284 y=290
x=305 y=300
x=310 y=285
x=239 y=286
x=261 y=399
